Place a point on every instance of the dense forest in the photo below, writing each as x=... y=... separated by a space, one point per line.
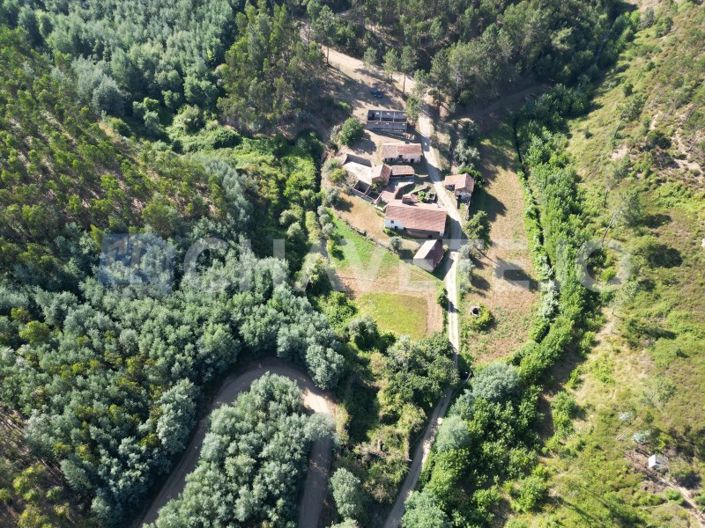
x=252 y=461
x=108 y=362
x=153 y=153
x=470 y=50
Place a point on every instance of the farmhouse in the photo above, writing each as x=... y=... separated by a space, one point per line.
x=402 y=152
x=386 y=120
x=429 y=255
x=416 y=219
x=462 y=185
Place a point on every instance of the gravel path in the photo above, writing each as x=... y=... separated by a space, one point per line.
x=356 y=70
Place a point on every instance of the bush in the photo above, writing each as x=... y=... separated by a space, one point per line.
x=351 y=131
x=496 y=382
x=395 y=243
x=189 y=119
x=347 y=494
x=477 y=228
x=481 y=320
x=532 y=491
x=452 y=434
x=466 y=153
x=363 y=331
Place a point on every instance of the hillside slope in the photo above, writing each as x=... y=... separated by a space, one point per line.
x=107 y=345
x=639 y=153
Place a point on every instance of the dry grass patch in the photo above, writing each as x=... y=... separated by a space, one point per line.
x=504 y=280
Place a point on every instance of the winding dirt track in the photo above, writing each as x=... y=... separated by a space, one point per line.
x=316 y=484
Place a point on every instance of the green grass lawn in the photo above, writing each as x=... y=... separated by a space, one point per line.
x=395 y=309
x=354 y=250
x=396 y=313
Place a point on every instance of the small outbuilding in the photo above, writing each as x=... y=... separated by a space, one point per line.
x=380 y=174
x=402 y=171
x=657 y=463
x=429 y=255
x=386 y=120
x=462 y=185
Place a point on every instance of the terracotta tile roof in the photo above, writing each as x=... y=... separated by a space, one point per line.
x=420 y=217
x=394 y=150
x=431 y=250
x=380 y=173
x=403 y=170
x=460 y=182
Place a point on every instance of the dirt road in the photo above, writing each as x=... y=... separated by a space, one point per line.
x=356 y=70
x=316 y=484
x=455 y=241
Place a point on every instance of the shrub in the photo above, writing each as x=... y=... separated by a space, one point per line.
x=631 y=109
x=564 y=410
x=347 y=494
x=481 y=320
x=496 y=382
x=338 y=176
x=351 y=131
x=189 y=119
x=700 y=501
x=477 y=228
x=452 y=434
x=363 y=331
x=395 y=243
x=532 y=492
x=673 y=495
x=466 y=153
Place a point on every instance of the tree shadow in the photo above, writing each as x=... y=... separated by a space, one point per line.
x=365 y=145
x=363 y=409
x=343 y=204
x=663 y=256
x=515 y=275
x=484 y=201
x=480 y=284
x=656 y=220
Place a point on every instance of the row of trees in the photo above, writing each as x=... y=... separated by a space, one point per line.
x=252 y=461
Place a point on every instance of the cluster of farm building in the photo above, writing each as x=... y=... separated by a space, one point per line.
x=388 y=179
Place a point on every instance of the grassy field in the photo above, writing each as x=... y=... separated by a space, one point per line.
x=639 y=391
x=504 y=279
x=396 y=313
x=398 y=295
